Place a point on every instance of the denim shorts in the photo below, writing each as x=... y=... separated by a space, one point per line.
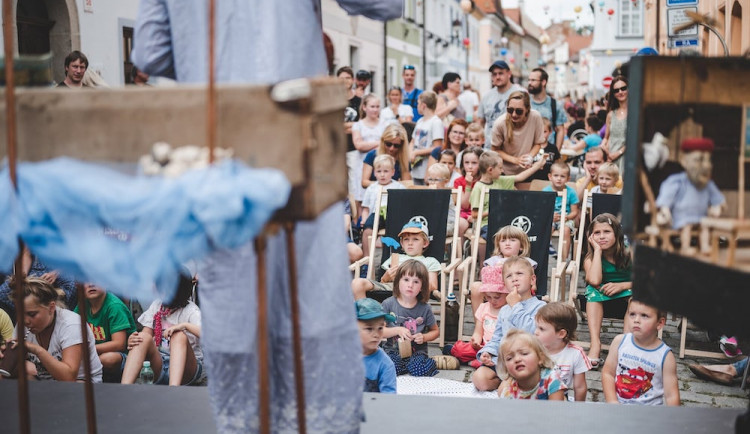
x=164 y=375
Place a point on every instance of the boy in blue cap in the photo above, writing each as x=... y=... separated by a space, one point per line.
x=380 y=373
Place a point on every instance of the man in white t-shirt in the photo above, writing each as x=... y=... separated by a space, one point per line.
x=470 y=102
x=492 y=105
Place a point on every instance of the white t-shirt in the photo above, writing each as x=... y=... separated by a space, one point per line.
x=369 y=134
x=469 y=100
x=425 y=134
x=190 y=313
x=386 y=115
x=371 y=195
x=569 y=362
x=67 y=332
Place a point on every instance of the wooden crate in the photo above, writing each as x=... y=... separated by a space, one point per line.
x=303 y=136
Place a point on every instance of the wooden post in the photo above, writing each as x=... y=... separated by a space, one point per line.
x=211 y=101
x=264 y=387
x=88 y=386
x=299 y=379
x=24 y=419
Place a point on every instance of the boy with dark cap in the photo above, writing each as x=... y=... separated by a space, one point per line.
x=380 y=372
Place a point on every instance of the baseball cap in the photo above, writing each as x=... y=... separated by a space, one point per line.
x=363 y=75
x=499 y=64
x=416 y=225
x=368 y=308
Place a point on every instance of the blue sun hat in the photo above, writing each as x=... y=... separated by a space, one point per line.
x=368 y=308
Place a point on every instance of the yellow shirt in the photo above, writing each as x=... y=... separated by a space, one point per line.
x=592 y=184
x=6 y=327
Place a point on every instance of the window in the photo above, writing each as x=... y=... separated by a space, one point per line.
x=631 y=18
x=127 y=47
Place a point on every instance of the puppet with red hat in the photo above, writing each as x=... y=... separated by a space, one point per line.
x=685 y=198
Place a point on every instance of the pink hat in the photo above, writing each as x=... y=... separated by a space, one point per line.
x=492 y=280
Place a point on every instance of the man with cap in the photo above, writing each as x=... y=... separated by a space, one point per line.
x=380 y=372
x=685 y=198
x=492 y=105
x=362 y=81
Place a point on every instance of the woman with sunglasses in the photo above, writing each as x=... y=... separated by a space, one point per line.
x=396 y=111
x=393 y=142
x=456 y=142
x=617 y=120
x=518 y=135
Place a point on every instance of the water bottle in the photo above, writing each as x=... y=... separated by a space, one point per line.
x=147 y=375
x=452 y=309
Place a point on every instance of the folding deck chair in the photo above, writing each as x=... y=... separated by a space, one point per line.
x=531 y=211
x=433 y=206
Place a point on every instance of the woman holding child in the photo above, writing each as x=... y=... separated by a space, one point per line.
x=393 y=142
x=518 y=135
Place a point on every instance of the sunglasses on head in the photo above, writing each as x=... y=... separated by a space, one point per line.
x=409 y=67
x=620 y=89
x=392 y=145
x=517 y=111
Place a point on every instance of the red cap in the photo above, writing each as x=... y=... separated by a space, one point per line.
x=697 y=144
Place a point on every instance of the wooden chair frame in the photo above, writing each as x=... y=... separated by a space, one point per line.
x=470 y=263
x=446 y=270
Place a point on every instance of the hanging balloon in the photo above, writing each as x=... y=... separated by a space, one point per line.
x=611 y=12
x=573 y=70
x=489 y=41
x=526 y=54
x=635 y=49
x=601 y=4
x=577 y=9
x=503 y=40
x=512 y=60
x=540 y=62
x=618 y=64
x=557 y=68
x=503 y=51
x=544 y=39
x=546 y=9
x=608 y=52
x=467 y=42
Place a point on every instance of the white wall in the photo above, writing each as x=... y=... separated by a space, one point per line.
x=101 y=36
x=360 y=32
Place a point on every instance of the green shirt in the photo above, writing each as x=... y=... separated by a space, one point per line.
x=610 y=274
x=113 y=317
x=501 y=183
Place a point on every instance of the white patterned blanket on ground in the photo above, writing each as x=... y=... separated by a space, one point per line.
x=408 y=385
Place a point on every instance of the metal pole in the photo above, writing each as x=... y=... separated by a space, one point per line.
x=211 y=102
x=385 y=64
x=424 y=45
x=658 y=19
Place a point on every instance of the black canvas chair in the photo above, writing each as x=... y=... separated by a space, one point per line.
x=404 y=205
x=611 y=203
x=531 y=211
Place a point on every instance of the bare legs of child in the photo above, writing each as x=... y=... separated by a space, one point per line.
x=182 y=362
x=485 y=379
x=594 y=316
x=360 y=287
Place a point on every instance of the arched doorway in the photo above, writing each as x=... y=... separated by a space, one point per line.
x=735 y=30
x=48 y=26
